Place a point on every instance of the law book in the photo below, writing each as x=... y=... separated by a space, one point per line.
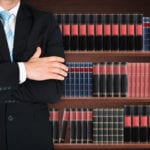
x=123 y=32
x=66 y=31
x=147 y=79
x=90 y=32
x=99 y=32
x=117 y=79
x=142 y=89
x=115 y=125
x=146 y=33
x=82 y=32
x=135 y=123
x=105 y=125
x=96 y=127
x=100 y=126
x=78 y=125
x=124 y=79
x=96 y=80
x=64 y=124
x=83 y=125
x=110 y=79
x=133 y=80
x=120 y=125
x=129 y=79
x=115 y=32
x=103 y=79
x=139 y=32
x=89 y=125
x=138 y=80
x=110 y=125
x=74 y=32
x=55 y=124
x=72 y=125
x=131 y=32
x=107 y=32
x=127 y=123
x=143 y=123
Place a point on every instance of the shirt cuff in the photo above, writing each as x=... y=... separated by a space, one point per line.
x=22 y=72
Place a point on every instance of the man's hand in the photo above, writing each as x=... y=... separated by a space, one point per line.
x=45 y=68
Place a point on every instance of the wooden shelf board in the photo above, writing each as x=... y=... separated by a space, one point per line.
x=101 y=146
x=95 y=56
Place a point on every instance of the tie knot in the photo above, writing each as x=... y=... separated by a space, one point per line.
x=5 y=15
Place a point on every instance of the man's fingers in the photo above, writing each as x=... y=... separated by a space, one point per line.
x=37 y=53
x=56 y=58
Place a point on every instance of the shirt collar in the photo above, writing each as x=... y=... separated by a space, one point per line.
x=14 y=10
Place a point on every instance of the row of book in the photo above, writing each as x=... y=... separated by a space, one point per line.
x=79 y=80
x=102 y=125
x=137 y=123
x=108 y=125
x=101 y=31
x=146 y=33
x=80 y=123
x=107 y=79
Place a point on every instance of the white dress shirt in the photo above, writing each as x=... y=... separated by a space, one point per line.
x=12 y=24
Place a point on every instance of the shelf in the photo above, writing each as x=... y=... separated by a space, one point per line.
x=95 y=56
x=93 y=102
x=102 y=146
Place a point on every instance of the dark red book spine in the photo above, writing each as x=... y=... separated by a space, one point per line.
x=138 y=79
x=142 y=93
x=131 y=32
x=124 y=79
x=82 y=32
x=110 y=79
x=66 y=31
x=115 y=32
x=129 y=79
x=96 y=80
x=127 y=124
x=123 y=32
x=143 y=124
x=84 y=125
x=55 y=117
x=63 y=131
x=117 y=79
x=107 y=32
x=103 y=81
x=135 y=124
x=74 y=32
x=89 y=125
x=99 y=32
x=90 y=32
x=72 y=125
x=78 y=125
x=139 y=32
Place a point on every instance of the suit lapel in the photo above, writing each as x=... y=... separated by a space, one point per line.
x=22 y=31
x=4 y=50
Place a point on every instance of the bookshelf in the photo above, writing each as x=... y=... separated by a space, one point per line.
x=98 y=6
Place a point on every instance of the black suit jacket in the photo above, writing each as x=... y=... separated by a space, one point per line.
x=24 y=114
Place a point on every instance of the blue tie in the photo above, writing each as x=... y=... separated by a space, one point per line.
x=5 y=16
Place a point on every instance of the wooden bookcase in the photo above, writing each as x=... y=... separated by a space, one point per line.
x=98 y=6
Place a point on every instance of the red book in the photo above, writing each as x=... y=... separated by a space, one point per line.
x=142 y=79
x=138 y=79
x=129 y=79
x=133 y=80
x=147 y=79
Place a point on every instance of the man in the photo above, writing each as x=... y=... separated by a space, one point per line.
x=32 y=71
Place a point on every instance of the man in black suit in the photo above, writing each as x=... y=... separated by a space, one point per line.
x=30 y=79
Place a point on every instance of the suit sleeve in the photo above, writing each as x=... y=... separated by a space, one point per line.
x=48 y=91
x=9 y=78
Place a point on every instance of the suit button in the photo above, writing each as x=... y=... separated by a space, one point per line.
x=10 y=118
